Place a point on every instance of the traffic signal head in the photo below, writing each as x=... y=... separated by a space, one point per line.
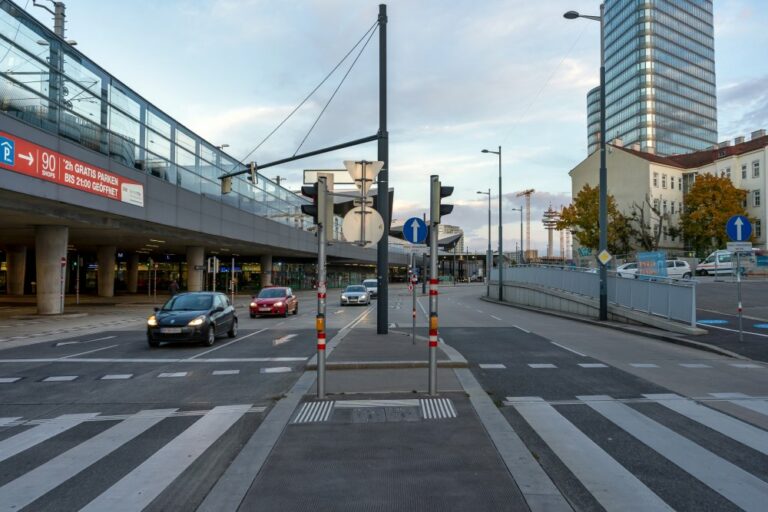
x=226 y=185
x=321 y=210
x=252 y=176
x=437 y=193
x=310 y=209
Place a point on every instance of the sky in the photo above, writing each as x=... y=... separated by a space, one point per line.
x=463 y=75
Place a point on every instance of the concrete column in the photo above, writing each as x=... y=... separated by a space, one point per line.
x=195 y=256
x=16 y=265
x=106 y=274
x=132 y=279
x=266 y=270
x=50 y=248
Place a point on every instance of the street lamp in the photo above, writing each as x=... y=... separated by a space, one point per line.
x=522 y=252
x=501 y=252
x=488 y=255
x=222 y=146
x=603 y=214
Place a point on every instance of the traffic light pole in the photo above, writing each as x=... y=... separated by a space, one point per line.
x=382 y=203
x=433 y=280
x=320 y=319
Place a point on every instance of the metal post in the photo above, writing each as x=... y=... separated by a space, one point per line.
x=489 y=254
x=433 y=323
x=382 y=260
x=501 y=250
x=522 y=249
x=77 y=280
x=321 y=297
x=232 y=279
x=425 y=272
x=63 y=268
x=603 y=221
x=413 y=290
x=738 y=287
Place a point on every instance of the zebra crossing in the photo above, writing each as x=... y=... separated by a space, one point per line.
x=132 y=491
x=584 y=449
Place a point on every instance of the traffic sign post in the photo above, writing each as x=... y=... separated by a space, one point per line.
x=63 y=267
x=739 y=229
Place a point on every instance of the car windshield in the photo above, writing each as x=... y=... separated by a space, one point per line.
x=355 y=289
x=189 y=303
x=272 y=293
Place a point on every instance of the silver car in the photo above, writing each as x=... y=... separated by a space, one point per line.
x=372 y=285
x=355 y=294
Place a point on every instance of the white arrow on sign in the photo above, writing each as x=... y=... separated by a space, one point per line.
x=738 y=223
x=28 y=157
x=415 y=229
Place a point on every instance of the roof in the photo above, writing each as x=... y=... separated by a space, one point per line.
x=700 y=158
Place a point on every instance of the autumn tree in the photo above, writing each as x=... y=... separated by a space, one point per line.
x=709 y=204
x=649 y=222
x=581 y=217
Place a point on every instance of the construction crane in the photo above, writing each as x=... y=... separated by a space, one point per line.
x=527 y=194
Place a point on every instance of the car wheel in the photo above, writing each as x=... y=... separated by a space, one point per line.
x=210 y=337
x=687 y=275
x=704 y=273
x=233 y=331
x=285 y=312
x=253 y=315
x=153 y=343
x=296 y=310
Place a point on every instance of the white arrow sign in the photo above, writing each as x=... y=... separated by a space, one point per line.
x=738 y=223
x=415 y=229
x=28 y=157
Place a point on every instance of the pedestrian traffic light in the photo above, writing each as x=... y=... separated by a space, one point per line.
x=321 y=209
x=437 y=193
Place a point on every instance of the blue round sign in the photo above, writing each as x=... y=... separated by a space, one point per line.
x=738 y=228
x=415 y=230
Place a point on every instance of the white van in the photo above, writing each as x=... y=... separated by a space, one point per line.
x=722 y=262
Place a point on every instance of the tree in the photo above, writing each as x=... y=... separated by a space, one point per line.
x=709 y=204
x=650 y=222
x=581 y=217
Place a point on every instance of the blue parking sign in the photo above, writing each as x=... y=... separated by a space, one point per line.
x=6 y=151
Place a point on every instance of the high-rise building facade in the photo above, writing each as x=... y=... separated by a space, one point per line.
x=660 y=76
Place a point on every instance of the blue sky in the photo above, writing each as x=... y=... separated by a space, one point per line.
x=463 y=75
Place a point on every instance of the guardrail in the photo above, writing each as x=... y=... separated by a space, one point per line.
x=673 y=299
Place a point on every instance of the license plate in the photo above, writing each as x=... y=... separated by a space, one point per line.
x=265 y=309
x=170 y=330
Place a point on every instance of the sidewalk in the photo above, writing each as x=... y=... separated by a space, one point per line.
x=379 y=441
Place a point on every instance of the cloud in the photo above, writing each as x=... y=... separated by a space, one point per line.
x=744 y=106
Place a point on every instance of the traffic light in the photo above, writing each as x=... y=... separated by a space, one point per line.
x=437 y=193
x=226 y=185
x=321 y=209
x=253 y=178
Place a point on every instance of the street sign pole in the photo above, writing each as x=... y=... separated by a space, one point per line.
x=433 y=309
x=738 y=288
x=321 y=285
x=414 y=280
x=739 y=229
x=77 y=279
x=232 y=279
x=63 y=267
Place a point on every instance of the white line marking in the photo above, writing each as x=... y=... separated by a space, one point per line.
x=593 y=365
x=62 y=343
x=284 y=339
x=143 y=360
x=496 y=318
x=32 y=485
x=526 y=331
x=29 y=438
x=742 y=488
x=707 y=326
x=492 y=366
x=142 y=485
x=7 y=421
x=745 y=401
x=9 y=380
x=117 y=376
x=172 y=375
x=277 y=369
x=745 y=365
x=60 y=378
x=226 y=344
x=88 y=352
x=742 y=432
x=354 y=404
x=644 y=365
x=541 y=365
x=568 y=349
x=609 y=482
x=225 y=372
x=694 y=365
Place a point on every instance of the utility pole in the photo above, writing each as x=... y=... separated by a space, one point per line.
x=59 y=16
x=382 y=203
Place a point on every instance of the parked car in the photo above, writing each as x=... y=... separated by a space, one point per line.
x=193 y=316
x=627 y=270
x=372 y=285
x=678 y=269
x=355 y=294
x=274 y=300
x=721 y=262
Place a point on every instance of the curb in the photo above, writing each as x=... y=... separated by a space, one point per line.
x=699 y=345
x=386 y=365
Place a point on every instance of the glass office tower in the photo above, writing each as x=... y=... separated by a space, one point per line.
x=660 y=75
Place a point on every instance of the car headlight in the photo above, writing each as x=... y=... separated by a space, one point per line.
x=344 y=297
x=197 y=321
x=278 y=304
x=253 y=304
x=152 y=321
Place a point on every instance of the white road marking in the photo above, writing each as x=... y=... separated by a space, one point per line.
x=745 y=365
x=170 y=375
x=568 y=349
x=36 y=435
x=708 y=326
x=225 y=372
x=526 y=331
x=117 y=376
x=354 y=404
x=437 y=408
x=612 y=485
x=277 y=369
x=9 y=380
x=338 y=311
x=495 y=318
x=226 y=344
x=6 y=421
x=694 y=365
x=541 y=365
x=644 y=365
x=32 y=485
x=143 y=360
x=283 y=339
x=742 y=432
x=88 y=352
x=60 y=378
x=492 y=366
x=742 y=488
x=593 y=365
x=63 y=343
x=745 y=401
x=142 y=485
x=314 y=412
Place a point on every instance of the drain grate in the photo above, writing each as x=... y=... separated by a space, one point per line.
x=314 y=412
x=437 y=408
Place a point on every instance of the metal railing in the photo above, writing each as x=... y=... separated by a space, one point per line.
x=673 y=299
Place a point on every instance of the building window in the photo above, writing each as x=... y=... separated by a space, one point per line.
x=656 y=180
x=744 y=171
x=672 y=182
x=664 y=207
x=756 y=169
x=755 y=198
x=663 y=181
x=758 y=229
x=672 y=205
x=656 y=204
x=728 y=172
x=680 y=184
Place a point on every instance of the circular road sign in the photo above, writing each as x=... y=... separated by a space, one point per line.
x=415 y=230
x=738 y=228
x=363 y=232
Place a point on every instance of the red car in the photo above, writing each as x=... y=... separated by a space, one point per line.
x=274 y=300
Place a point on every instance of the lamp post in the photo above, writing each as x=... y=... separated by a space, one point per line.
x=603 y=213
x=522 y=252
x=501 y=251
x=489 y=254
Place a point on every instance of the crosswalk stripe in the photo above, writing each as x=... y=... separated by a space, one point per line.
x=36 y=435
x=608 y=481
x=742 y=488
x=7 y=421
x=745 y=401
x=731 y=427
x=32 y=485
x=142 y=485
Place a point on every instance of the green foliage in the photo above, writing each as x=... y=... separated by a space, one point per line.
x=581 y=217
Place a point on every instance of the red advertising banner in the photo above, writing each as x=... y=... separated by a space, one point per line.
x=25 y=157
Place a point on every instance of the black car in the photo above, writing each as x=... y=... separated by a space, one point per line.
x=194 y=316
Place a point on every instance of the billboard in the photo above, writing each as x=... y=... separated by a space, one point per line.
x=652 y=264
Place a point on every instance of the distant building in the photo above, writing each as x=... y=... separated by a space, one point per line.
x=446 y=230
x=660 y=77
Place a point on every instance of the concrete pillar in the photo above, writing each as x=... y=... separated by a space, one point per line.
x=50 y=248
x=266 y=270
x=132 y=278
x=16 y=265
x=195 y=256
x=106 y=274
